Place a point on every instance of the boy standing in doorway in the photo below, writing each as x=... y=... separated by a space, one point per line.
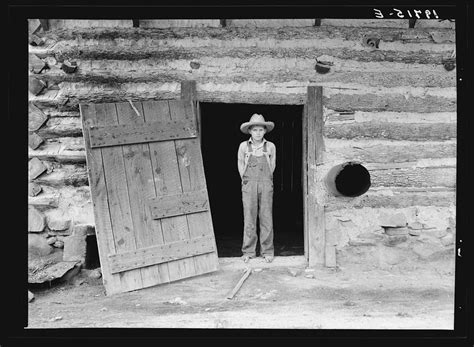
x=256 y=161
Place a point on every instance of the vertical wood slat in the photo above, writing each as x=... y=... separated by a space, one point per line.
x=189 y=93
x=304 y=178
x=202 y=222
x=166 y=168
x=192 y=178
x=119 y=202
x=105 y=242
x=316 y=225
x=141 y=188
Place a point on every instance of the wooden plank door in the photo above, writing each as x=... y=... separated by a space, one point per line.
x=148 y=189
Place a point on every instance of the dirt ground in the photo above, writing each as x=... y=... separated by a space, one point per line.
x=283 y=294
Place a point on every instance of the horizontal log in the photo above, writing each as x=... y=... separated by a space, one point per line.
x=375 y=102
x=65 y=175
x=254 y=92
x=269 y=23
x=333 y=116
x=392 y=131
x=63 y=150
x=195 y=53
x=161 y=253
x=382 y=151
x=214 y=35
x=56 y=24
x=396 y=199
x=413 y=177
x=75 y=201
x=387 y=23
x=124 y=134
x=172 y=44
x=231 y=70
x=180 y=204
x=179 y=23
x=61 y=127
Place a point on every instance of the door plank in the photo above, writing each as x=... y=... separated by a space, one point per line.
x=178 y=204
x=123 y=134
x=160 y=253
x=166 y=176
x=119 y=204
x=191 y=170
x=141 y=188
x=105 y=241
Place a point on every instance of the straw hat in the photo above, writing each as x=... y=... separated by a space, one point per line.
x=256 y=119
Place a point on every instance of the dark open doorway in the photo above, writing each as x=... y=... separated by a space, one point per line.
x=220 y=138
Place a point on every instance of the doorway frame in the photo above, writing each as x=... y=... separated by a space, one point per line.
x=315 y=249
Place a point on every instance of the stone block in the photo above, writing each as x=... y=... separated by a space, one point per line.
x=59 y=222
x=414 y=232
x=393 y=220
x=75 y=248
x=415 y=226
x=83 y=230
x=440 y=233
x=58 y=244
x=36 y=220
x=38 y=246
x=428 y=251
x=394 y=240
x=51 y=240
x=396 y=231
x=447 y=240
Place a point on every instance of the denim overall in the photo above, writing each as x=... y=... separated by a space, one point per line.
x=257 y=198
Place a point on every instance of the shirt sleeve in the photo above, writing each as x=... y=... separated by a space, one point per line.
x=241 y=159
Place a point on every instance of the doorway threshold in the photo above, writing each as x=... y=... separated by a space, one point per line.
x=232 y=263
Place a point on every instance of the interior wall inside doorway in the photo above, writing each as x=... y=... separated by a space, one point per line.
x=220 y=139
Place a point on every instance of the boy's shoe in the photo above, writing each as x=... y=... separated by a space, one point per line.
x=246 y=258
x=268 y=258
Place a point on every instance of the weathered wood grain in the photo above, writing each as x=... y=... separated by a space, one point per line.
x=65 y=175
x=249 y=92
x=373 y=102
x=414 y=177
x=167 y=181
x=176 y=205
x=61 y=127
x=35 y=168
x=315 y=125
x=123 y=134
x=34 y=140
x=390 y=151
x=36 y=118
x=191 y=169
x=141 y=188
x=392 y=131
x=120 y=207
x=103 y=222
x=159 y=254
x=62 y=150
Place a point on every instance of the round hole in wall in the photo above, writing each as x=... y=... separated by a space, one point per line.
x=348 y=179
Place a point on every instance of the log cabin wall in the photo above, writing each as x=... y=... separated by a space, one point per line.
x=389 y=96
